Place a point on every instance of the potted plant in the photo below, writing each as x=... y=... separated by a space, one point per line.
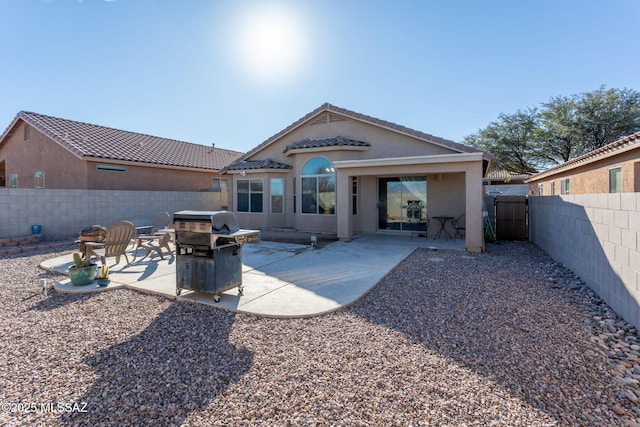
x=83 y=272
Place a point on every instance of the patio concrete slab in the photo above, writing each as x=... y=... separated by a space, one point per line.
x=279 y=279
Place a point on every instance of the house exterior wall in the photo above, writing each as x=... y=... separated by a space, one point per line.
x=593 y=178
x=453 y=179
x=149 y=178
x=25 y=155
x=597 y=236
x=64 y=170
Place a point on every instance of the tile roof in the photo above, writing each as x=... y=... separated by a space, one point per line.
x=626 y=143
x=95 y=142
x=330 y=142
x=256 y=164
x=503 y=174
x=326 y=107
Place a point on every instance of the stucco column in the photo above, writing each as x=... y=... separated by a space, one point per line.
x=473 y=216
x=343 y=207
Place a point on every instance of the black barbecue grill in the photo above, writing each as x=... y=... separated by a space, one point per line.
x=209 y=251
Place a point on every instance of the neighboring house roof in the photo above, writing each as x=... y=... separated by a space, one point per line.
x=93 y=142
x=331 y=142
x=337 y=113
x=503 y=175
x=620 y=146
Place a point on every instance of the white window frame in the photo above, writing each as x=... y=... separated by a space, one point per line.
x=251 y=192
x=272 y=194
x=317 y=177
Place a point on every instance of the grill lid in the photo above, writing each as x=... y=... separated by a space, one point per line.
x=222 y=222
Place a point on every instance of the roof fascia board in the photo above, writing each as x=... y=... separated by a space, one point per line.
x=404 y=161
x=9 y=129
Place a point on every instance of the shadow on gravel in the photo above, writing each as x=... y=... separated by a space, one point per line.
x=54 y=300
x=176 y=366
x=506 y=324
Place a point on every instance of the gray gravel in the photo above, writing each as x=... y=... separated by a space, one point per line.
x=505 y=338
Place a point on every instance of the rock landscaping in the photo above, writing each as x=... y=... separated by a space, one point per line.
x=447 y=338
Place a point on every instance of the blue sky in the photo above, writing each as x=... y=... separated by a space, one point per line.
x=234 y=73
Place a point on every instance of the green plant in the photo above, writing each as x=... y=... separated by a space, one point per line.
x=79 y=261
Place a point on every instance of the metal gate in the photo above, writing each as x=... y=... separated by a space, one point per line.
x=512 y=217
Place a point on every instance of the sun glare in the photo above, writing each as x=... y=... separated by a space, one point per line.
x=270 y=44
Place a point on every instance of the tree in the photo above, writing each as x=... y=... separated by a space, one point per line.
x=564 y=128
x=511 y=139
x=559 y=137
x=606 y=115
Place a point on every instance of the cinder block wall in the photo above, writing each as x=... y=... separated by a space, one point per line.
x=63 y=213
x=597 y=236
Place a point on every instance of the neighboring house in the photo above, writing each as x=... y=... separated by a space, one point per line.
x=338 y=171
x=614 y=168
x=38 y=151
x=506 y=183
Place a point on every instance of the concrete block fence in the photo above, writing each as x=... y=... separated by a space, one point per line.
x=597 y=236
x=63 y=213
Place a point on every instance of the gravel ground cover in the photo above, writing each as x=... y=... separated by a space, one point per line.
x=504 y=338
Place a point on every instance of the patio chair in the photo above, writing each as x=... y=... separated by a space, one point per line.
x=460 y=226
x=116 y=239
x=156 y=246
x=161 y=221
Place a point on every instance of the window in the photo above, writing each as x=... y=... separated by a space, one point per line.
x=249 y=195
x=565 y=187
x=354 y=195
x=277 y=195
x=13 y=180
x=295 y=197
x=318 y=187
x=540 y=189
x=39 y=177
x=553 y=188
x=219 y=185
x=112 y=168
x=615 y=180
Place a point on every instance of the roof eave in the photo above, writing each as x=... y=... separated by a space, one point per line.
x=587 y=159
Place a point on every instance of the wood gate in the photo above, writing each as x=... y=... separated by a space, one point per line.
x=512 y=217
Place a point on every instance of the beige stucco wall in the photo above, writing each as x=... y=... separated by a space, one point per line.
x=384 y=143
x=64 y=170
x=593 y=178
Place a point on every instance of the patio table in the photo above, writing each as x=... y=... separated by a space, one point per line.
x=443 y=230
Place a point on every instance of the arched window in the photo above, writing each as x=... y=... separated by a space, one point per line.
x=318 y=187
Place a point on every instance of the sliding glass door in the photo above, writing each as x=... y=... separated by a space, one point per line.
x=402 y=203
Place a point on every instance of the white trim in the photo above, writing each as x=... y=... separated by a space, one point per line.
x=413 y=160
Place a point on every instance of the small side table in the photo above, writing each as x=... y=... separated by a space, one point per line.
x=443 y=230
